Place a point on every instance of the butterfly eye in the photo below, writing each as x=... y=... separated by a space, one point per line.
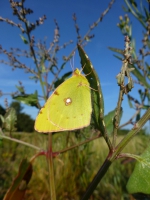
x=68 y=101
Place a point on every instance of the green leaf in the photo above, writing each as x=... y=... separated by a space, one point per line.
x=138 y=116
x=33 y=77
x=96 y=92
x=141 y=94
x=24 y=39
x=130 y=102
x=139 y=76
x=120 y=51
x=146 y=107
x=29 y=99
x=1 y=142
x=19 y=185
x=147 y=66
x=63 y=65
x=135 y=13
x=125 y=9
x=139 y=181
x=2 y=118
x=148 y=44
x=109 y=121
x=21 y=89
x=146 y=13
x=42 y=65
x=10 y=120
x=62 y=79
x=120 y=58
x=133 y=43
x=148 y=70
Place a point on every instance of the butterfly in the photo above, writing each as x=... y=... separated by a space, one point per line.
x=68 y=108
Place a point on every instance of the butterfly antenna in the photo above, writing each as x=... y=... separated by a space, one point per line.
x=88 y=73
x=82 y=68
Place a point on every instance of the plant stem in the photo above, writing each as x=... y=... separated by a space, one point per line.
x=20 y=142
x=33 y=53
x=77 y=145
x=51 y=168
x=135 y=13
x=117 y=117
x=113 y=155
x=102 y=171
x=132 y=133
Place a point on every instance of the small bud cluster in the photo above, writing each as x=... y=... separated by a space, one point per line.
x=13 y=61
x=38 y=50
x=146 y=38
x=21 y=12
x=144 y=51
x=125 y=70
x=125 y=26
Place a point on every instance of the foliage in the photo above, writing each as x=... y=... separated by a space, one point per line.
x=2 y=112
x=17 y=106
x=125 y=131
x=138 y=58
x=23 y=121
x=9 y=120
x=74 y=169
x=141 y=183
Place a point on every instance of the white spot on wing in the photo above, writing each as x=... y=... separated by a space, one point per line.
x=68 y=101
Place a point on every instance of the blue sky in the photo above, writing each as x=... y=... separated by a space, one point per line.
x=106 y=34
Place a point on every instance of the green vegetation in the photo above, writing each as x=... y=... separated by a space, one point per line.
x=24 y=122
x=74 y=170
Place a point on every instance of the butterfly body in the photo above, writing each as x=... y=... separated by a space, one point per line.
x=68 y=108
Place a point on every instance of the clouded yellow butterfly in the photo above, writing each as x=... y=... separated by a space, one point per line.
x=68 y=108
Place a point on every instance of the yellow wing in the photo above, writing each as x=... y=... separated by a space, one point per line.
x=68 y=108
